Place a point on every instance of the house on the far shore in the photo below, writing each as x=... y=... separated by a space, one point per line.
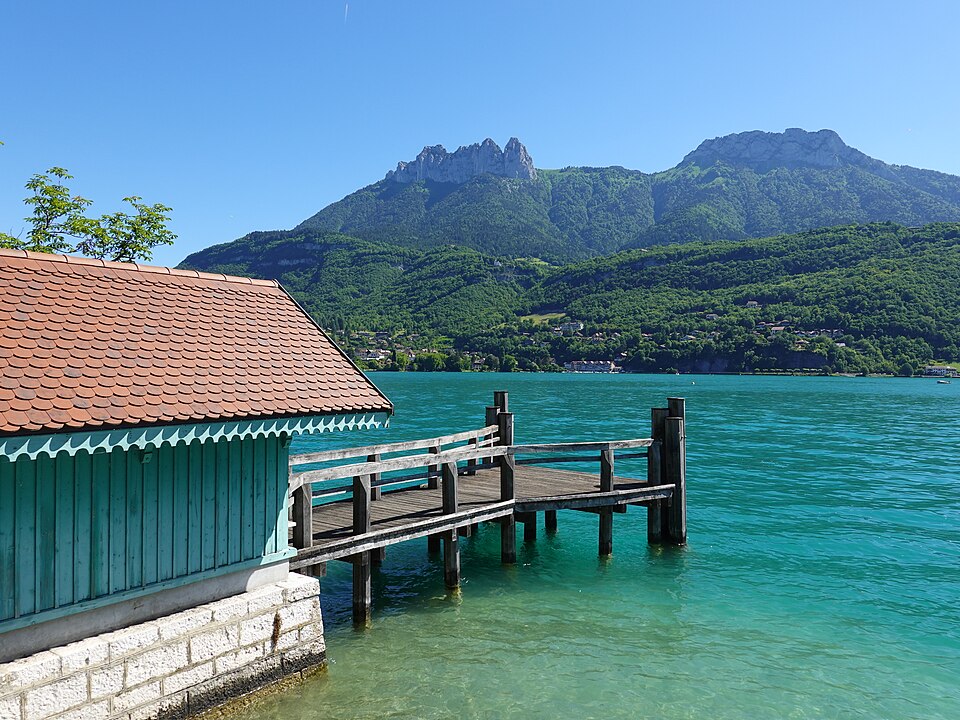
x=145 y=422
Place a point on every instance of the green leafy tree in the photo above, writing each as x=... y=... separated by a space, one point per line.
x=58 y=224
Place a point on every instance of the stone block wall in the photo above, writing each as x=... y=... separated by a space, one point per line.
x=176 y=666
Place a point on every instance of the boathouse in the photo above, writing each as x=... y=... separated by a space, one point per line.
x=145 y=421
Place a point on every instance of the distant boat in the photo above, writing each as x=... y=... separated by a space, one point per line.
x=943 y=382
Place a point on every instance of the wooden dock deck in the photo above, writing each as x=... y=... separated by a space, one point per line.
x=479 y=476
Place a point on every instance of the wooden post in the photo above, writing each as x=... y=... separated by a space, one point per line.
x=472 y=463
x=303 y=516
x=451 y=547
x=606 y=513
x=433 y=482
x=490 y=418
x=508 y=524
x=374 y=478
x=501 y=400
x=508 y=468
x=675 y=472
x=529 y=521
x=550 y=520
x=433 y=544
x=656 y=511
x=362 y=587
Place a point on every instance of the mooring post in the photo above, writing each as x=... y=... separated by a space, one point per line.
x=501 y=400
x=303 y=516
x=550 y=520
x=508 y=468
x=675 y=470
x=451 y=547
x=606 y=513
x=362 y=587
x=657 y=509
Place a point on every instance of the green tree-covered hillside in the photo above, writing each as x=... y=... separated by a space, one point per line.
x=858 y=298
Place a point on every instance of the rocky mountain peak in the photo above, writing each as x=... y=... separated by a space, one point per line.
x=792 y=148
x=435 y=163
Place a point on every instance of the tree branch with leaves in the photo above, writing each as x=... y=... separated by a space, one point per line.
x=59 y=224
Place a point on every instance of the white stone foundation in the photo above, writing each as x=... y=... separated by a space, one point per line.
x=176 y=666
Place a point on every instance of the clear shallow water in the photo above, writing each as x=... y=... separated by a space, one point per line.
x=821 y=579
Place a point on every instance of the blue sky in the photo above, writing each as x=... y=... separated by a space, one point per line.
x=253 y=115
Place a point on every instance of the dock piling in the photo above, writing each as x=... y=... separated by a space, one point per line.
x=657 y=510
x=508 y=468
x=451 y=545
x=675 y=471
x=362 y=585
x=606 y=513
x=550 y=521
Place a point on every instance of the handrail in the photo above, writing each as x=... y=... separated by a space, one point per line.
x=399 y=463
x=581 y=446
x=345 y=453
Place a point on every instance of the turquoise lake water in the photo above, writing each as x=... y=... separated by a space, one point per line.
x=821 y=579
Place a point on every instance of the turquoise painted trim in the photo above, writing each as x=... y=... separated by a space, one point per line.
x=55 y=613
x=32 y=446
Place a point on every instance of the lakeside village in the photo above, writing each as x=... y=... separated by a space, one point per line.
x=410 y=351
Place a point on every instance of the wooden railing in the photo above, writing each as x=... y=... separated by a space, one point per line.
x=386 y=467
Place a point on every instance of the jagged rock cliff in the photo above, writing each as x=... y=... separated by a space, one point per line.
x=435 y=163
x=793 y=148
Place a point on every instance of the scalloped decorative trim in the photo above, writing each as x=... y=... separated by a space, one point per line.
x=30 y=446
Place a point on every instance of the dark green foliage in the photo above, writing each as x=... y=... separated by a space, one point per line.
x=887 y=297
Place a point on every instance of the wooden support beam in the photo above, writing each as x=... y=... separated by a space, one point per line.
x=374 y=478
x=606 y=514
x=529 y=521
x=362 y=589
x=303 y=517
x=501 y=400
x=451 y=545
x=508 y=539
x=606 y=532
x=377 y=556
x=465 y=530
x=550 y=520
x=451 y=560
x=362 y=586
x=433 y=543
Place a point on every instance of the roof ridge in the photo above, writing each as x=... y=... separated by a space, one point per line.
x=157 y=269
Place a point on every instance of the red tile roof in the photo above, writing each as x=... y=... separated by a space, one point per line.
x=87 y=344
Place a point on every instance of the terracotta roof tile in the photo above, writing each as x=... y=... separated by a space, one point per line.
x=87 y=344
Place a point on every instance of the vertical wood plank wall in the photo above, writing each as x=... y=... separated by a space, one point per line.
x=76 y=528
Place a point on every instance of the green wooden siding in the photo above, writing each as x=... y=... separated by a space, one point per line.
x=78 y=529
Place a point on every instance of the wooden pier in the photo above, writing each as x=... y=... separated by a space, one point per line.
x=442 y=488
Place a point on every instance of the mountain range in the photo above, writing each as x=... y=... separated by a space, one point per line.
x=474 y=245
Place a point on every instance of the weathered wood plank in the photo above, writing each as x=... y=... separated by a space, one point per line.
x=391 y=535
x=392 y=464
x=581 y=446
x=594 y=499
x=347 y=453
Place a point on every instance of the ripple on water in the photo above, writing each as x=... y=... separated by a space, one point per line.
x=821 y=578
